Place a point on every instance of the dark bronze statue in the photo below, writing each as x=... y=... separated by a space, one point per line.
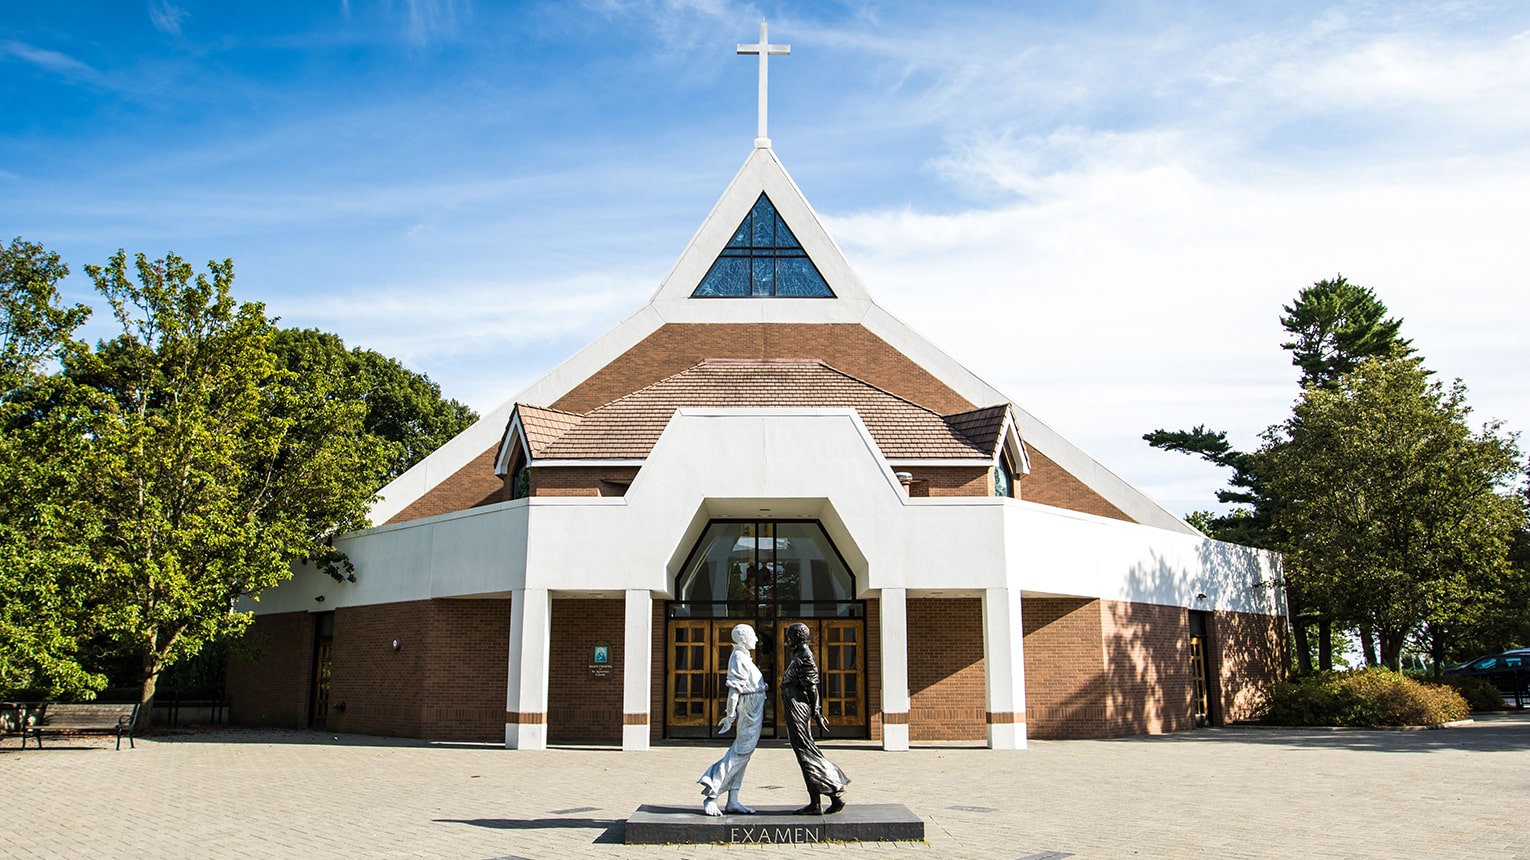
x=799 y=687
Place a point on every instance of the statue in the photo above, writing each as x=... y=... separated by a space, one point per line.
x=746 y=703
x=799 y=686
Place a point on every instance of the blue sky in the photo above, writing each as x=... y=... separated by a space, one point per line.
x=1099 y=207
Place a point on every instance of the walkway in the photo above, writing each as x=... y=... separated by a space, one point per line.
x=1230 y=793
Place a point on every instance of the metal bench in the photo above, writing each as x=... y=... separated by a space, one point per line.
x=89 y=718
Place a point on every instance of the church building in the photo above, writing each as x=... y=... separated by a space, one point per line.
x=763 y=443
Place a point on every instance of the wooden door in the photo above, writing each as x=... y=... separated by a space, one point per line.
x=837 y=645
x=841 y=661
x=319 y=707
x=690 y=673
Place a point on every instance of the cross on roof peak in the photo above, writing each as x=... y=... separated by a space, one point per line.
x=764 y=49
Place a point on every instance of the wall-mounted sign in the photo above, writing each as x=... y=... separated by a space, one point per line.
x=600 y=660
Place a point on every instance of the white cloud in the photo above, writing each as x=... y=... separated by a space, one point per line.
x=52 y=61
x=167 y=17
x=1134 y=289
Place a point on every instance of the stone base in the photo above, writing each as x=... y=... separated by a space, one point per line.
x=866 y=822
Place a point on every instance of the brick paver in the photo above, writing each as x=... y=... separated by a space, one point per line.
x=1209 y=793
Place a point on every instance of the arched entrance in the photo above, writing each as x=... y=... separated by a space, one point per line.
x=770 y=574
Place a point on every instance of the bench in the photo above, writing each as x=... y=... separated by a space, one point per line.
x=89 y=718
x=16 y=718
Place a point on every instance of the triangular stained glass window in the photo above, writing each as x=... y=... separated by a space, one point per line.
x=763 y=259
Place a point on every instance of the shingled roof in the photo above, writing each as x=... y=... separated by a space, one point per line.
x=627 y=428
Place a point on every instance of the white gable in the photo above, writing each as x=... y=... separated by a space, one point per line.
x=852 y=303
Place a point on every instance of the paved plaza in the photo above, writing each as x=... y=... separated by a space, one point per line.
x=1209 y=793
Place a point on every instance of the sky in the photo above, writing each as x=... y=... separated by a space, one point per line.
x=1098 y=207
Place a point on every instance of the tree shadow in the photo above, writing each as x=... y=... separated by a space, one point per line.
x=1144 y=679
x=1506 y=733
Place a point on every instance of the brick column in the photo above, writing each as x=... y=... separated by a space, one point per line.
x=637 y=671
x=530 y=653
x=1004 y=661
x=893 y=604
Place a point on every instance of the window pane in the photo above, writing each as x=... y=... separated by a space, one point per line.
x=784 y=237
x=741 y=235
x=764 y=216
x=764 y=283
x=729 y=276
x=797 y=277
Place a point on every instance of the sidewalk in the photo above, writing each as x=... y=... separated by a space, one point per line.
x=1208 y=793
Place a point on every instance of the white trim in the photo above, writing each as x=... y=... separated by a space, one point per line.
x=543 y=464
x=518 y=432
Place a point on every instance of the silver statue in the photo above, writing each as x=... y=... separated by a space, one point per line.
x=746 y=704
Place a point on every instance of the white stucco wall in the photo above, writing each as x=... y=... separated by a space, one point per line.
x=782 y=463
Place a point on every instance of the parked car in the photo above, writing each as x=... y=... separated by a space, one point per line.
x=1507 y=671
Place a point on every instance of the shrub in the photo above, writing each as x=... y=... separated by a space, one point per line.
x=1479 y=693
x=1365 y=697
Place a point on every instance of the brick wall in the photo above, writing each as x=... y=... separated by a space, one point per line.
x=1049 y=484
x=847 y=347
x=472 y=486
x=657 y=674
x=446 y=680
x=1064 y=668
x=270 y=674
x=951 y=481
x=469 y=653
x=945 y=670
x=1250 y=654
x=1149 y=680
x=582 y=481
x=582 y=709
x=383 y=689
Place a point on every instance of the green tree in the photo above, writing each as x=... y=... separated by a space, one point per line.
x=44 y=426
x=212 y=467
x=1392 y=507
x=402 y=407
x=1335 y=325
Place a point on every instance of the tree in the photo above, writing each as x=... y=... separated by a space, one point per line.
x=212 y=467
x=1335 y=325
x=43 y=428
x=1338 y=325
x=1392 y=507
x=402 y=407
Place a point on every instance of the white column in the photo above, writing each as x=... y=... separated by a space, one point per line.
x=637 y=670
x=1004 y=661
x=530 y=653
x=893 y=608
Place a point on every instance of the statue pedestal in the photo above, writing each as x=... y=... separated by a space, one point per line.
x=857 y=822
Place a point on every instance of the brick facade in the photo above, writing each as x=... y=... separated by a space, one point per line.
x=1064 y=668
x=474 y=485
x=582 y=708
x=1251 y=654
x=946 y=679
x=1049 y=484
x=935 y=481
x=1148 y=677
x=270 y=673
x=446 y=680
x=586 y=481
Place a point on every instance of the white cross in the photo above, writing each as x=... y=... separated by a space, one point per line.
x=764 y=49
